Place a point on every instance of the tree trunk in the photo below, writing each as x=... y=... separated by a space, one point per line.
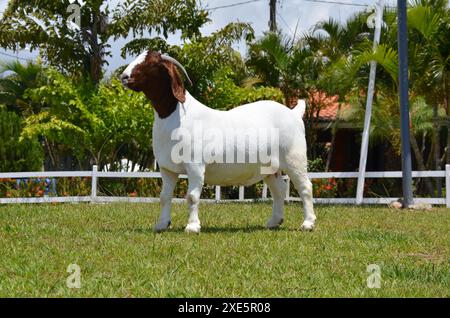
x=447 y=109
x=333 y=140
x=50 y=154
x=436 y=149
x=96 y=54
x=96 y=60
x=420 y=163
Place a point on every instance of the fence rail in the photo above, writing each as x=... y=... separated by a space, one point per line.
x=95 y=174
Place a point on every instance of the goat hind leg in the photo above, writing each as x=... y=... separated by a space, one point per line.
x=277 y=189
x=304 y=187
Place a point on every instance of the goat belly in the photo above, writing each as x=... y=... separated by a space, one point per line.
x=227 y=174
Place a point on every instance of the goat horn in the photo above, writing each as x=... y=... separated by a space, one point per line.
x=171 y=59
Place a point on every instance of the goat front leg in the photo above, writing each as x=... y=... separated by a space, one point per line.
x=169 y=180
x=196 y=174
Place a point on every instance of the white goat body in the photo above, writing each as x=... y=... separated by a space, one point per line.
x=262 y=114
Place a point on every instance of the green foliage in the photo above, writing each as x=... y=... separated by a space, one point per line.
x=335 y=39
x=100 y=124
x=162 y=17
x=325 y=188
x=430 y=25
x=25 y=188
x=429 y=65
x=226 y=94
x=17 y=155
x=338 y=78
x=103 y=122
x=278 y=61
x=203 y=56
x=12 y=87
x=48 y=25
x=316 y=165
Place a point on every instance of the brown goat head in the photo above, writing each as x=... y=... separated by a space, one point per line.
x=158 y=79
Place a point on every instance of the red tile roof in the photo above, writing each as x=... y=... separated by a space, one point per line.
x=319 y=101
x=327 y=105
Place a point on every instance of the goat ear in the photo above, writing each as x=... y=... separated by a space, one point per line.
x=176 y=82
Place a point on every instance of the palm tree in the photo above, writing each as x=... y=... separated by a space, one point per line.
x=16 y=80
x=278 y=61
x=429 y=77
x=18 y=154
x=335 y=41
x=430 y=24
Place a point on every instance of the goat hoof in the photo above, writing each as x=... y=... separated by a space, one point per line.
x=193 y=228
x=307 y=226
x=162 y=226
x=274 y=224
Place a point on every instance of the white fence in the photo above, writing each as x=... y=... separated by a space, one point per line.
x=94 y=175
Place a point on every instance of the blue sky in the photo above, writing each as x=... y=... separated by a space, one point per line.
x=290 y=12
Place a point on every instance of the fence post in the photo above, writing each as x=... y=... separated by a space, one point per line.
x=447 y=185
x=264 y=191
x=241 y=193
x=288 y=188
x=379 y=9
x=94 y=184
x=217 y=193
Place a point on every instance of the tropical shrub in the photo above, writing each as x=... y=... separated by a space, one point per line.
x=97 y=125
x=226 y=94
x=17 y=154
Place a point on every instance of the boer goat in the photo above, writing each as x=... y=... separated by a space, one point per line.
x=179 y=117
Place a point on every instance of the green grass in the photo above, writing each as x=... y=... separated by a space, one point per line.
x=234 y=256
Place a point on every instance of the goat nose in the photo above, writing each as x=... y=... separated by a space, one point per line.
x=124 y=77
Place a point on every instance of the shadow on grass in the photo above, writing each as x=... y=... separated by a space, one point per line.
x=230 y=229
x=236 y=229
x=206 y=229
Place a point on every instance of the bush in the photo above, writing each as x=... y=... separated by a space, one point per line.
x=17 y=154
x=25 y=188
x=100 y=125
x=226 y=95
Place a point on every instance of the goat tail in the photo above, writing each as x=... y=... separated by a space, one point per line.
x=300 y=108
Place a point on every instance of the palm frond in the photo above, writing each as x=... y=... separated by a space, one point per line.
x=424 y=20
x=384 y=55
x=251 y=81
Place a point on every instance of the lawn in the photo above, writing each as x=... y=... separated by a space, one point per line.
x=234 y=256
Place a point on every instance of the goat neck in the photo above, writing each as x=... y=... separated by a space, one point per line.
x=159 y=91
x=162 y=100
